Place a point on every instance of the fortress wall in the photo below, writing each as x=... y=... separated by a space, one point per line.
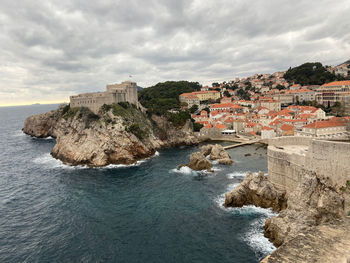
x=328 y=159
x=285 y=169
x=331 y=160
x=290 y=140
x=115 y=93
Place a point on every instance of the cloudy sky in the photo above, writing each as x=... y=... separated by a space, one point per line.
x=55 y=48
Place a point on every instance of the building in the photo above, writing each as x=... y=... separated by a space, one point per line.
x=269 y=103
x=284 y=98
x=300 y=95
x=324 y=129
x=330 y=93
x=115 y=93
x=190 y=99
x=267 y=133
x=201 y=95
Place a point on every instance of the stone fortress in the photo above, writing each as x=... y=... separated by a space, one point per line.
x=123 y=92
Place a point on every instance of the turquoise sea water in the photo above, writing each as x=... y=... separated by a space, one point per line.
x=148 y=212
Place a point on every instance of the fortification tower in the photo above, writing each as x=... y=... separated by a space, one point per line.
x=123 y=92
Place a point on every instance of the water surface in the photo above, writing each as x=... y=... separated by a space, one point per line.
x=149 y=212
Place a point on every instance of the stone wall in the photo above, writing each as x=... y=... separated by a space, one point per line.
x=289 y=156
x=115 y=93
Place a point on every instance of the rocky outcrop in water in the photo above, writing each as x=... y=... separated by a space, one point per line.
x=220 y=154
x=198 y=160
x=119 y=134
x=310 y=214
x=257 y=190
x=314 y=202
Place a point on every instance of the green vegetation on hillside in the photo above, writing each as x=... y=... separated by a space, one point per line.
x=162 y=97
x=243 y=94
x=135 y=120
x=82 y=113
x=310 y=74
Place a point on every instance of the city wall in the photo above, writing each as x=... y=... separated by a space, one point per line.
x=288 y=157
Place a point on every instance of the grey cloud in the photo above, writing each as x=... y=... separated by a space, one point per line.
x=52 y=49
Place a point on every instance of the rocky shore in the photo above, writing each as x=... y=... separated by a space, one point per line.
x=117 y=135
x=311 y=220
x=199 y=160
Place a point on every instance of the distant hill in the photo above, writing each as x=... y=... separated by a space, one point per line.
x=309 y=74
x=165 y=96
x=139 y=88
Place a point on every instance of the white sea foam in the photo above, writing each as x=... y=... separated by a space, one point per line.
x=215 y=162
x=220 y=200
x=237 y=175
x=18 y=133
x=47 y=159
x=184 y=170
x=255 y=237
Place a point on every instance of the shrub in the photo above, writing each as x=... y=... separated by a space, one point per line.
x=179 y=119
x=136 y=130
x=197 y=126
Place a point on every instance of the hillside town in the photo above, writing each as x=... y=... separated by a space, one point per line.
x=267 y=106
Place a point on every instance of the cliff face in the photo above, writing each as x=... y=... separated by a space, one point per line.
x=118 y=135
x=309 y=215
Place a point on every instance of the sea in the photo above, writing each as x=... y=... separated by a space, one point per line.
x=147 y=212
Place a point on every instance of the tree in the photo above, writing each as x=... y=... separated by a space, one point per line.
x=280 y=87
x=310 y=74
x=164 y=96
x=227 y=94
x=242 y=94
x=207 y=109
x=215 y=84
x=194 y=108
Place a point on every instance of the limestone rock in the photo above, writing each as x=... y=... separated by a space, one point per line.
x=256 y=190
x=198 y=162
x=315 y=201
x=225 y=161
x=101 y=140
x=206 y=149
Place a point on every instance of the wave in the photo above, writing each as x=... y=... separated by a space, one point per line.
x=255 y=237
x=47 y=159
x=220 y=200
x=240 y=175
x=18 y=133
x=184 y=170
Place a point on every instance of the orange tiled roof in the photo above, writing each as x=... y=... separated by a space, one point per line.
x=220 y=126
x=323 y=124
x=265 y=128
x=337 y=83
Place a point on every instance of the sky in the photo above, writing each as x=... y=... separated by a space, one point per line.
x=52 y=49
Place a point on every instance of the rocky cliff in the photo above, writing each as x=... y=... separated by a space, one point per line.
x=119 y=134
x=315 y=206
